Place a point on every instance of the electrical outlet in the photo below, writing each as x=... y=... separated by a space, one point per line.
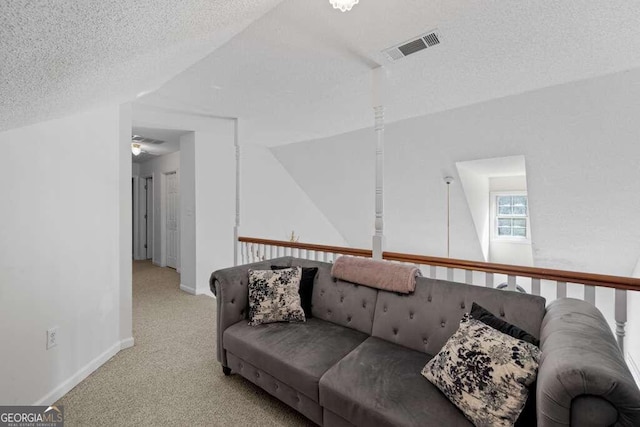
x=52 y=337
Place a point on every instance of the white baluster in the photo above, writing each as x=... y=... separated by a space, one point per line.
x=281 y=251
x=450 y=274
x=488 y=280
x=303 y=253
x=511 y=283
x=433 y=272
x=318 y=255
x=561 y=291
x=325 y=256
x=535 y=286
x=590 y=294
x=620 y=315
x=272 y=251
x=243 y=248
x=468 y=277
x=423 y=270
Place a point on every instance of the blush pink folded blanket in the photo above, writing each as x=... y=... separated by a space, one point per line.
x=385 y=275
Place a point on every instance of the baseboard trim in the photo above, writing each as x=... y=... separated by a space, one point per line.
x=207 y=293
x=187 y=289
x=83 y=373
x=126 y=343
x=634 y=368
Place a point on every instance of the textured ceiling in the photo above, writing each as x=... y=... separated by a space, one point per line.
x=58 y=57
x=302 y=71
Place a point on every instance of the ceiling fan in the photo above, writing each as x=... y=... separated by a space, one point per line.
x=136 y=145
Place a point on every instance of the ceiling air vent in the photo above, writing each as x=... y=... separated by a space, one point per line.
x=412 y=46
x=142 y=140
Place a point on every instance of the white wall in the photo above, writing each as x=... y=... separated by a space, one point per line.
x=62 y=230
x=215 y=201
x=476 y=191
x=207 y=204
x=157 y=168
x=274 y=205
x=338 y=175
x=580 y=141
x=188 y=212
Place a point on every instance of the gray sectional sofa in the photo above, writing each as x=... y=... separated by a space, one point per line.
x=358 y=360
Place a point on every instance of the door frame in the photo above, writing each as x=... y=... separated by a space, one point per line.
x=149 y=206
x=163 y=219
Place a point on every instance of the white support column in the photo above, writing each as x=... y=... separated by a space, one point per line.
x=236 y=228
x=378 y=107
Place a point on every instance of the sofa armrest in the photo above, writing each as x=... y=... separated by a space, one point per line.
x=581 y=359
x=231 y=289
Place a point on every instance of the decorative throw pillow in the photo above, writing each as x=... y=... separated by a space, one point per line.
x=485 y=316
x=306 y=287
x=485 y=373
x=528 y=417
x=273 y=296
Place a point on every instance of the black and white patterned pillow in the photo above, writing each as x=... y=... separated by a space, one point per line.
x=485 y=373
x=274 y=297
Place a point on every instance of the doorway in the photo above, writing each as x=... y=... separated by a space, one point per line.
x=148 y=218
x=171 y=224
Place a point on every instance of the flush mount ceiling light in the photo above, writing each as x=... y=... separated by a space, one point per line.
x=136 y=149
x=343 y=5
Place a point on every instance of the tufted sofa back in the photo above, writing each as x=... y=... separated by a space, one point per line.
x=426 y=319
x=343 y=303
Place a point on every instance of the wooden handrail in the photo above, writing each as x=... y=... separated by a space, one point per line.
x=616 y=282
x=310 y=247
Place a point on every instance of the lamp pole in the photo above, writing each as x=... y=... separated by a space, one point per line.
x=448 y=180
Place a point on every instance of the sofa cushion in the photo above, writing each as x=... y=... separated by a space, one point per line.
x=297 y=354
x=485 y=316
x=340 y=302
x=379 y=384
x=300 y=402
x=273 y=296
x=485 y=372
x=306 y=287
x=426 y=319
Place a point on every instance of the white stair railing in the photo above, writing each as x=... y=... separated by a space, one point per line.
x=608 y=293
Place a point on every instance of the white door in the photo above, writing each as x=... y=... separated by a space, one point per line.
x=148 y=217
x=172 y=220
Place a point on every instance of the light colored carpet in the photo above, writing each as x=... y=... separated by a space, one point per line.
x=171 y=375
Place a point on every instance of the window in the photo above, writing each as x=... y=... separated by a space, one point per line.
x=512 y=216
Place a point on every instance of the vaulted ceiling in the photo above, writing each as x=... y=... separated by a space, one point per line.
x=302 y=71
x=296 y=70
x=61 y=57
